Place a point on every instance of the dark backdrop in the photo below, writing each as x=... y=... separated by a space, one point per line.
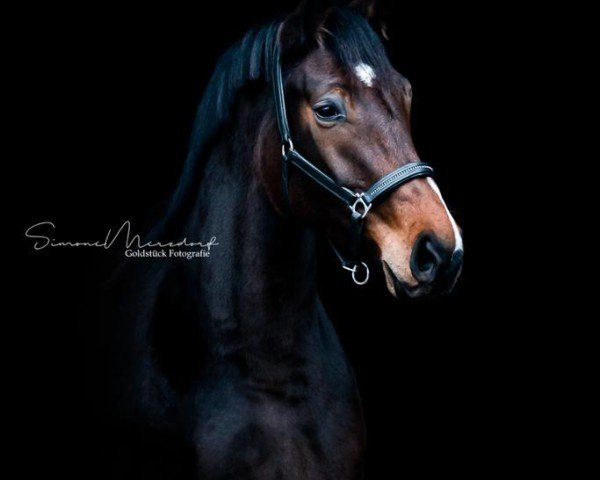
x=103 y=104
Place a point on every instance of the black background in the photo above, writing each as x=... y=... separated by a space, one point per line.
x=102 y=103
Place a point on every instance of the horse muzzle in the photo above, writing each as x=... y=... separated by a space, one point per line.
x=435 y=269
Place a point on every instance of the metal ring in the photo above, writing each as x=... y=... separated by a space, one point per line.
x=366 y=275
x=364 y=206
x=290 y=146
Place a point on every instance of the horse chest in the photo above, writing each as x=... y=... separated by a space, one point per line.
x=261 y=437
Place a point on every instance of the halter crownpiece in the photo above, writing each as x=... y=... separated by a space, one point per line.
x=360 y=203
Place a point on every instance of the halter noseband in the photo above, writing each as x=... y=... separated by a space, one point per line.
x=360 y=203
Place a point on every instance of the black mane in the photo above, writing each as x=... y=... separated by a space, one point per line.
x=244 y=62
x=345 y=33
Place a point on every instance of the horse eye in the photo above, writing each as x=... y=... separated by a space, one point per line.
x=327 y=112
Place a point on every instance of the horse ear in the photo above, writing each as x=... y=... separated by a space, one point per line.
x=303 y=25
x=366 y=7
x=372 y=10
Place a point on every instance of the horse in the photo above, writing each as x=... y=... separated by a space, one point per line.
x=303 y=131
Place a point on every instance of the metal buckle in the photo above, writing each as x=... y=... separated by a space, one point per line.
x=362 y=204
x=287 y=147
x=354 y=269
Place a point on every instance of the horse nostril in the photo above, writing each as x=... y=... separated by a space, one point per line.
x=427 y=256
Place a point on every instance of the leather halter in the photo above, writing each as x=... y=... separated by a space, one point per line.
x=360 y=203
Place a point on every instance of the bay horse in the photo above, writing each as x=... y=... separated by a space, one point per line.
x=235 y=354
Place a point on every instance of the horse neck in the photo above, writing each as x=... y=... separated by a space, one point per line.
x=258 y=287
